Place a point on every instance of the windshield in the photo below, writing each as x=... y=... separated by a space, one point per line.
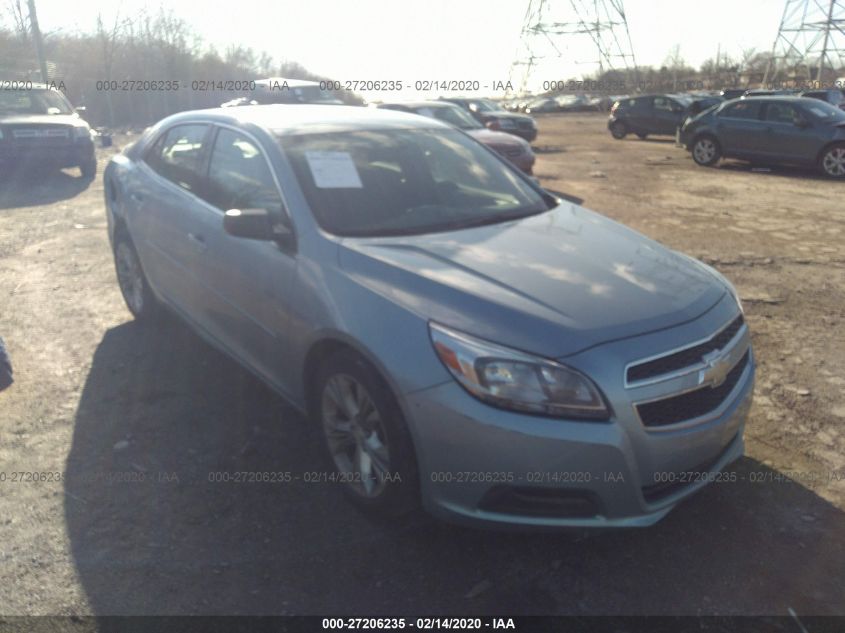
x=826 y=112
x=402 y=182
x=34 y=102
x=485 y=105
x=280 y=92
x=452 y=115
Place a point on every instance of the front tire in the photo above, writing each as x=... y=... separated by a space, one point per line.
x=706 y=151
x=134 y=287
x=832 y=161
x=89 y=169
x=365 y=436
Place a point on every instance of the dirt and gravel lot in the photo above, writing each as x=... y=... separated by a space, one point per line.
x=97 y=397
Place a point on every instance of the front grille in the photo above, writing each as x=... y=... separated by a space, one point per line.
x=692 y=404
x=684 y=358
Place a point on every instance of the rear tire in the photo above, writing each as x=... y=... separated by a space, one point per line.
x=134 y=287
x=618 y=130
x=706 y=151
x=89 y=169
x=365 y=436
x=832 y=161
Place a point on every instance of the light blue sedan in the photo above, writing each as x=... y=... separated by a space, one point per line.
x=461 y=338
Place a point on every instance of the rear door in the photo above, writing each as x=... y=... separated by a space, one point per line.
x=162 y=197
x=739 y=128
x=666 y=115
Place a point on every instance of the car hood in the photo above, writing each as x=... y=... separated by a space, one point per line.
x=504 y=114
x=553 y=284
x=40 y=119
x=497 y=139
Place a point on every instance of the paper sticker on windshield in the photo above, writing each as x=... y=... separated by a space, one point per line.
x=333 y=170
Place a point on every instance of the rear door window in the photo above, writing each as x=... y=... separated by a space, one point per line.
x=177 y=155
x=781 y=113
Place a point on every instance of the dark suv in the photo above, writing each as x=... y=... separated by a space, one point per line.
x=494 y=117
x=788 y=130
x=834 y=97
x=39 y=126
x=648 y=114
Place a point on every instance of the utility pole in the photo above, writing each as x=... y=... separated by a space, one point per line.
x=549 y=26
x=39 y=44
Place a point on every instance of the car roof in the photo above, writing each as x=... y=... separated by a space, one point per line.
x=788 y=98
x=420 y=104
x=292 y=83
x=285 y=119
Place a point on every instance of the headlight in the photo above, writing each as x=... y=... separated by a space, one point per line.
x=514 y=380
x=81 y=132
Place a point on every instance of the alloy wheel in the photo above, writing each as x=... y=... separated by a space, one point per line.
x=834 y=162
x=704 y=150
x=355 y=434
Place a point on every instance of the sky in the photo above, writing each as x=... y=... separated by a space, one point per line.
x=423 y=40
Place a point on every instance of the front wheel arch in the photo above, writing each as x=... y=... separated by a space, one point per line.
x=700 y=137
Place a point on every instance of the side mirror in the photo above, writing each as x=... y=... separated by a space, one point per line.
x=252 y=224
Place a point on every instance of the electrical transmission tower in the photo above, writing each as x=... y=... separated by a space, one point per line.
x=557 y=34
x=810 y=41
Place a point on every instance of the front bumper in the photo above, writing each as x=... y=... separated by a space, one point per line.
x=487 y=467
x=72 y=154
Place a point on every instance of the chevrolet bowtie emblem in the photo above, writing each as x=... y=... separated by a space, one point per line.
x=717 y=366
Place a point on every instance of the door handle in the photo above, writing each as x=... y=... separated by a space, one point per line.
x=198 y=241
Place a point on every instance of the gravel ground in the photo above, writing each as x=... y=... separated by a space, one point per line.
x=98 y=398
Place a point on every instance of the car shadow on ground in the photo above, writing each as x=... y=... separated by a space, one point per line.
x=32 y=186
x=152 y=530
x=782 y=171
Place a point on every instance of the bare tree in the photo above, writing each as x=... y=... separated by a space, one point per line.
x=20 y=20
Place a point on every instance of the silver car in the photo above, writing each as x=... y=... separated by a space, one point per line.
x=461 y=338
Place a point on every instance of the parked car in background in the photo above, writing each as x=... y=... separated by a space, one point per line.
x=700 y=104
x=516 y=150
x=774 y=130
x=732 y=93
x=648 y=114
x=39 y=127
x=834 y=97
x=546 y=104
x=435 y=311
x=574 y=103
x=491 y=114
x=281 y=90
x=765 y=92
